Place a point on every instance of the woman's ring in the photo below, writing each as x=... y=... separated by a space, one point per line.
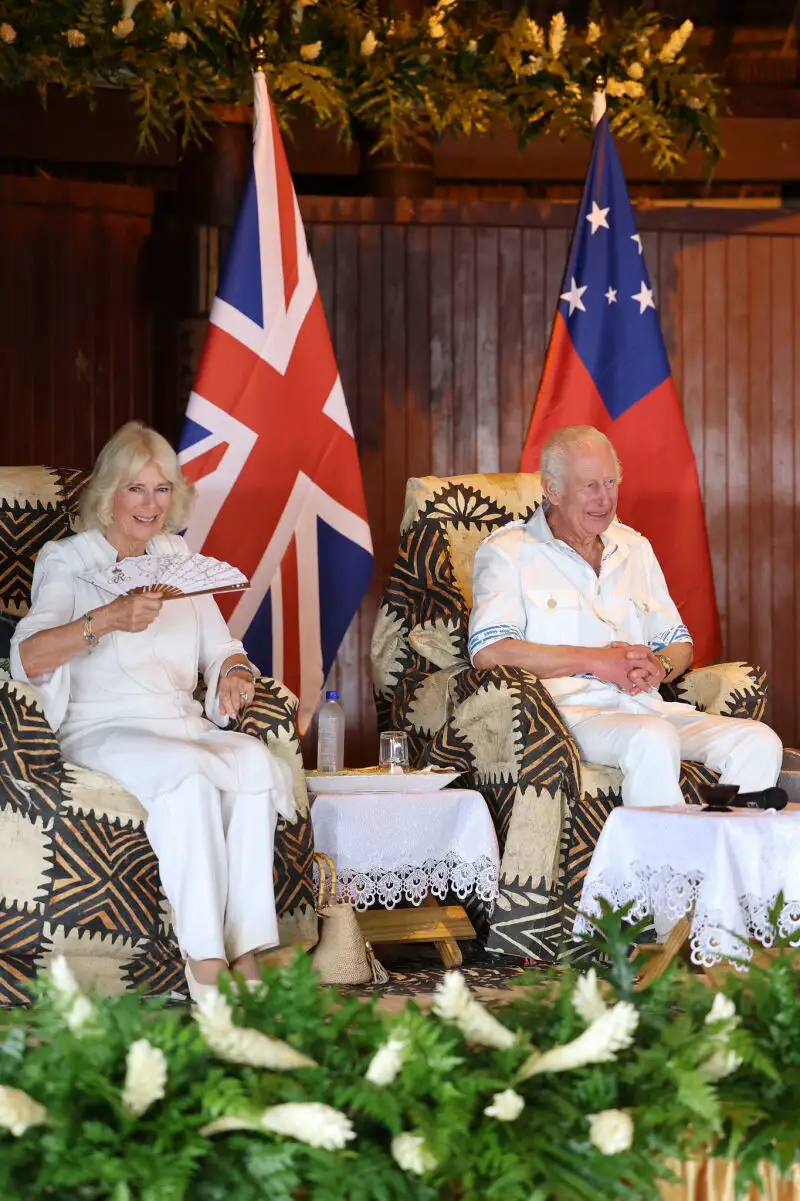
x=242 y=696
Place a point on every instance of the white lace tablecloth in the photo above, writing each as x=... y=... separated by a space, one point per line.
x=390 y=847
x=728 y=870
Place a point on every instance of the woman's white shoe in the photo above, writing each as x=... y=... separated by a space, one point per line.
x=198 y=991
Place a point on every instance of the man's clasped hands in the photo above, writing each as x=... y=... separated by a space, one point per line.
x=633 y=668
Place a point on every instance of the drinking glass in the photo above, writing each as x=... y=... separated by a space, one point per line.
x=394 y=751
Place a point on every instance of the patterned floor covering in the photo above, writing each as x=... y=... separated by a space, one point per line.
x=419 y=977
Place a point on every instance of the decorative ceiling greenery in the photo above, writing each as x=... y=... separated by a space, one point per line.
x=460 y=67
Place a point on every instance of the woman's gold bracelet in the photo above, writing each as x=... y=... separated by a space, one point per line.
x=89 y=635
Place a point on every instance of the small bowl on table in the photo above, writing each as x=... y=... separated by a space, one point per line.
x=718 y=797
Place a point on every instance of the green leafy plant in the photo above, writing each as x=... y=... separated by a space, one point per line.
x=395 y=81
x=297 y=1092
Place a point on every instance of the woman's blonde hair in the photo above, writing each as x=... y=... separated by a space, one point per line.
x=119 y=463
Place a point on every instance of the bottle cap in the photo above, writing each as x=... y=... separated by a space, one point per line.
x=331 y=696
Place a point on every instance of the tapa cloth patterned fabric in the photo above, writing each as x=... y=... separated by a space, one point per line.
x=501 y=728
x=77 y=874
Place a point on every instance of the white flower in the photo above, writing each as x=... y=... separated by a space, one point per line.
x=443 y=5
x=612 y=1032
x=79 y=1014
x=8 y=33
x=62 y=978
x=18 y=1111
x=593 y=33
x=412 y=1155
x=387 y=1062
x=123 y=28
x=145 y=1077
x=472 y=46
x=532 y=67
x=722 y=1010
x=720 y=1064
x=535 y=35
x=239 y=1044
x=633 y=89
x=309 y=1122
x=615 y=87
x=76 y=1009
x=455 y=1003
x=611 y=1131
x=436 y=29
x=505 y=1106
x=129 y=8
x=369 y=44
x=75 y=38
x=675 y=43
x=723 y=1018
x=310 y=51
x=558 y=33
x=178 y=40
x=635 y=70
x=587 y=1000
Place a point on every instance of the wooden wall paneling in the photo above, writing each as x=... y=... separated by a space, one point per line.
x=692 y=343
x=371 y=347
x=441 y=350
x=44 y=361
x=781 y=487
x=511 y=412
x=793 y=656
x=395 y=414
x=536 y=305
x=737 y=549
x=715 y=391
x=487 y=397
x=465 y=353
x=759 y=419
x=418 y=380
x=556 y=250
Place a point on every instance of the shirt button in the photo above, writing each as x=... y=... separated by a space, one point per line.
x=552 y=603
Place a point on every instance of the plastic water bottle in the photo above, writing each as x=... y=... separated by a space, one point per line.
x=330 y=734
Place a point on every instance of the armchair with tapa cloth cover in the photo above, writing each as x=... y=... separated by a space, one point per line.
x=77 y=873
x=500 y=727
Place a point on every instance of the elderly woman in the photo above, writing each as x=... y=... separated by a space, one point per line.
x=117 y=681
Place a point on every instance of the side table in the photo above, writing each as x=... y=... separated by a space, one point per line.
x=412 y=847
x=711 y=878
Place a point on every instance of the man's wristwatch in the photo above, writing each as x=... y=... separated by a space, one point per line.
x=666 y=663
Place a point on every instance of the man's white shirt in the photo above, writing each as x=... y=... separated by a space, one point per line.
x=531 y=586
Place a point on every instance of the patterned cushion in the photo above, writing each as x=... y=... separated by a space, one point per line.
x=37 y=505
x=501 y=728
x=77 y=873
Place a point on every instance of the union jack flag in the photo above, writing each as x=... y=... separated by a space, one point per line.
x=268 y=441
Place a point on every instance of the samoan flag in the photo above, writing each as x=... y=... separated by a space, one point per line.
x=268 y=441
x=607 y=366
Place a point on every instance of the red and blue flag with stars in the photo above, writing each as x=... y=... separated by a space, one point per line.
x=268 y=442
x=607 y=366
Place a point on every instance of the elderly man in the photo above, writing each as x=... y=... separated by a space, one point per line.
x=579 y=599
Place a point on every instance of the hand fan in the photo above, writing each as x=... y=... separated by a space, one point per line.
x=169 y=575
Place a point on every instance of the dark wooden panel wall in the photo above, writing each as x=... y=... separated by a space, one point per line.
x=440 y=314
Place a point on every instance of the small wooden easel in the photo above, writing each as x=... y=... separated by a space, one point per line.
x=430 y=922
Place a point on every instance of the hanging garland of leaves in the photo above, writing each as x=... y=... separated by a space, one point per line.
x=459 y=68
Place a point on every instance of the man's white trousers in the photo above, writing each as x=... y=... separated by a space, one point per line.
x=648 y=748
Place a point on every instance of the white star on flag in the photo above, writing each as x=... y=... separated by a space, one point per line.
x=637 y=238
x=645 y=298
x=611 y=295
x=574 y=297
x=597 y=217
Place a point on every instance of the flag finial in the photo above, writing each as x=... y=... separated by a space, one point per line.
x=259 y=54
x=599 y=98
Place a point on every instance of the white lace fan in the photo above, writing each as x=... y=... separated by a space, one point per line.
x=169 y=575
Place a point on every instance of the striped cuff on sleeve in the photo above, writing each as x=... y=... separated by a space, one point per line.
x=674 y=634
x=490 y=634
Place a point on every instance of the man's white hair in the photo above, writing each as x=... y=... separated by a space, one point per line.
x=560 y=445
